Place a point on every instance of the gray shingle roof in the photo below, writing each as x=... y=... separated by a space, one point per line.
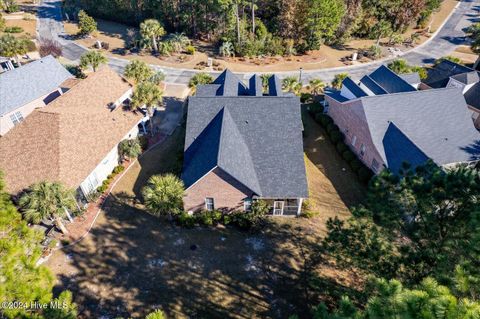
x=255 y=86
x=437 y=122
x=230 y=84
x=472 y=96
x=256 y=140
x=467 y=78
x=372 y=85
x=390 y=81
x=411 y=78
x=29 y=82
x=439 y=75
x=353 y=87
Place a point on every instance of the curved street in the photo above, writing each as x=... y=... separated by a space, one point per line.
x=442 y=43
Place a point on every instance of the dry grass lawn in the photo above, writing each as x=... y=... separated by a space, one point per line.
x=29 y=27
x=132 y=262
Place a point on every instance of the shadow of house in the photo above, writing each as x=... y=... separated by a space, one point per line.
x=134 y=263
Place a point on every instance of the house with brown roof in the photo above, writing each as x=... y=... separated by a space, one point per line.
x=29 y=87
x=73 y=140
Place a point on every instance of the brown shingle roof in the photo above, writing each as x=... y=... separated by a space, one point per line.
x=67 y=139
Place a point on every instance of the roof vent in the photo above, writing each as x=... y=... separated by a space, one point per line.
x=246 y=122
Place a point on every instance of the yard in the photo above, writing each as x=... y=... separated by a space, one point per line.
x=132 y=262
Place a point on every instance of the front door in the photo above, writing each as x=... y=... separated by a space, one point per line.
x=278 y=207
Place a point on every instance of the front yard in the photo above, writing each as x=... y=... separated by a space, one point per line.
x=132 y=262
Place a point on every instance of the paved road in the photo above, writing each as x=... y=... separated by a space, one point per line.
x=443 y=43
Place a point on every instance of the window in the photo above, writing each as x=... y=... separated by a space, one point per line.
x=247 y=204
x=362 y=150
x=354 y=140
x=278 y=207
x=16 y=118
x=209 y=203
x=375 y=165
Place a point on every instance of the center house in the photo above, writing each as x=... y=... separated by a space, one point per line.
x=242 y=145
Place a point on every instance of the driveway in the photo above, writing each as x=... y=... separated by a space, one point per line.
x=443 y=43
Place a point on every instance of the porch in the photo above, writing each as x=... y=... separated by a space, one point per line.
x=284 y=206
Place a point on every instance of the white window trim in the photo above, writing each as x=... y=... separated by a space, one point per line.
x=354 y=140
x=250 y=202
x=281 y=209
x=363 y=150
x=16 y=118
x=213 y=203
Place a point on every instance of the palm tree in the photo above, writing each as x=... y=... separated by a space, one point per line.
x=399 y=66
x=138 y=71
x=178 y=41
x=316 y=86
x=157 y=314
x=199 y=79
x=47 y=200
x=338 y=80
x=226 y=49
x=152 y=29
x=163 y=194
x=291 y=84
x=265 y=77
x=150 y=95
x=92 y=59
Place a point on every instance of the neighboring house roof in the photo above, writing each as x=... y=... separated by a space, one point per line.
x=372 y=85
x=411 y=78
x=67 y=139
x=436 y=123
x=472 y=96
x=256 y=140
x=353 y=87
x=390 y=81
x=467 y=78
x=30 y=82
x=439 y=75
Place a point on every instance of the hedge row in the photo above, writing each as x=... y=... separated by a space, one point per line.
x=106 y=183
x=337 y=138
x=243 y=220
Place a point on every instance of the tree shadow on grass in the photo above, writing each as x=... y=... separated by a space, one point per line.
x=132 y=263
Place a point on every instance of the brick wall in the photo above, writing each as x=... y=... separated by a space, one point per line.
x=350 y=118
x=228 y=193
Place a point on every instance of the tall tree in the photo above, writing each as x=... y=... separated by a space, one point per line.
x=324 y=18
x=147 y=94
x=92 y=59
x=11 y=46
x=86 y=24
x=152 y=30
x=47 y=200
x=138 y=71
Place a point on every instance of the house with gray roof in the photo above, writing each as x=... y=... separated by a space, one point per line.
x=28 y=87
x=387 y=129
x=467 y=80
x=242 y=145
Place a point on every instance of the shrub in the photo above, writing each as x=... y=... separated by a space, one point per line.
x=13 y=29
x=143 y=140
x=304 y=97
x=355 y=164
x=105 y=45
x=86 y=24
x=336 y=136
x=348 y=155
x=364 y=174
x=325 y=120
x=315 y=108
x=118 y=169
x=76 y=71
x=186 y=220
x=332 y=127
x=309 y=214
x=29 y=45
x=129 y=148
x=190 y=49
x=341 y=147
x=49 y=47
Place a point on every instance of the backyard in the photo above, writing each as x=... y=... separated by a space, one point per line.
x=132 y=262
